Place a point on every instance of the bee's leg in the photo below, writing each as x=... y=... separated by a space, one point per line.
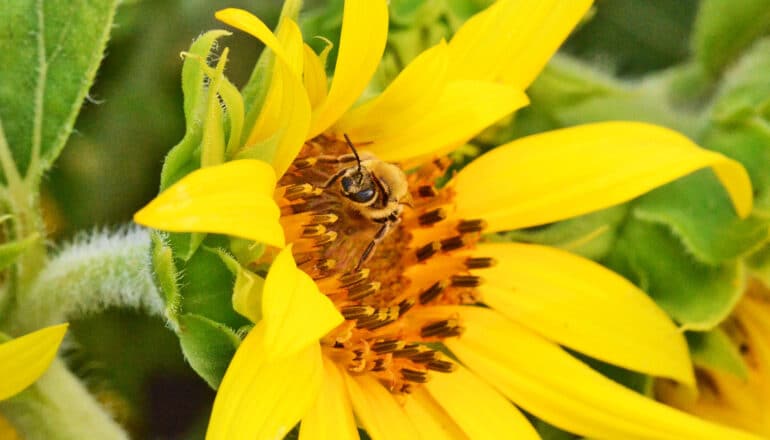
x=333 y=179
x=381 y=233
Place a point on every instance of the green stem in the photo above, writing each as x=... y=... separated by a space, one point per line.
x=97 y=271
x=22 y=202
x=59 y=407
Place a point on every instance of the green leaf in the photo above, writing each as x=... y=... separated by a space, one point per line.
x=590 y=235
x=207 y=287
x=185 y=156
x=697 y=295
x=714 y=350
x=9 y=252
x=51 y=51
x=747 y=144
x=699 y=212
x=208 y=346
x=723 y=28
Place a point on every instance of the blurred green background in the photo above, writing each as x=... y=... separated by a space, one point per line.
x=111 y=165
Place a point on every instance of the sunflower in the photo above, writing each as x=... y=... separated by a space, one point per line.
x=425 y=330
x=739 y=396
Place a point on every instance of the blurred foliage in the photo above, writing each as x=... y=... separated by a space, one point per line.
x=636 y=36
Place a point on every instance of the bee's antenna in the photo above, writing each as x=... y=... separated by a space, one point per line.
x=355 y=153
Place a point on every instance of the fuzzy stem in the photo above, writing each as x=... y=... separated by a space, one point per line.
x=95 y=272
x=59 y=407
x=21 y=200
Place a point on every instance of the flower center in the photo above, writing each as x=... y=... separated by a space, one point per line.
x=379 y=255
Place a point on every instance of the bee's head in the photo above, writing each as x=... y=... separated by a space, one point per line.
x=358 y=185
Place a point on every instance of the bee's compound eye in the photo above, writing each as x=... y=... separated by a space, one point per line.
x=362 y=196
x=347 y=184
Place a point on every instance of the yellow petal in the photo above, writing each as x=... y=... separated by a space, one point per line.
x=725 y=398
x=480 y=410
x=377 y=410
x=413 y=94
x=554 y=386
x=463 y=110
x=512 y=40
x=315 y=77
x=586 y=307
x=430 y=419
x=235 y=198
x=262 y=398
x=279 y=131
x=247 y=22
x=283 y=85
x=331 y=416
x=564 y=173
x=296 y=314
x=362 y=41
x=24 y=359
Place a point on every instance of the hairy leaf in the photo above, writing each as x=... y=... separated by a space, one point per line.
x=51 y=51
x=208 y=346
x=699 y=212
x=696 y=295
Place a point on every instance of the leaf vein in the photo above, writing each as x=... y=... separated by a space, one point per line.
x=42 y=74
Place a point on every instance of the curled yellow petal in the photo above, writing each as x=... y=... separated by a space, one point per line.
x=478 y=408
x=247 y=22
x=586 y=307
x=362 y=41
x=331 y=416
x=24 y=359
x=564 y=173
x=295 y=313
x=235 y=198
x=314 y=77
x=512 y=40
x=463 y=110
x=280 y=129
x=565 y=392
x=262 y=398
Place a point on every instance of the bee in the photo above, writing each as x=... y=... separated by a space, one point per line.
x=375 y=189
